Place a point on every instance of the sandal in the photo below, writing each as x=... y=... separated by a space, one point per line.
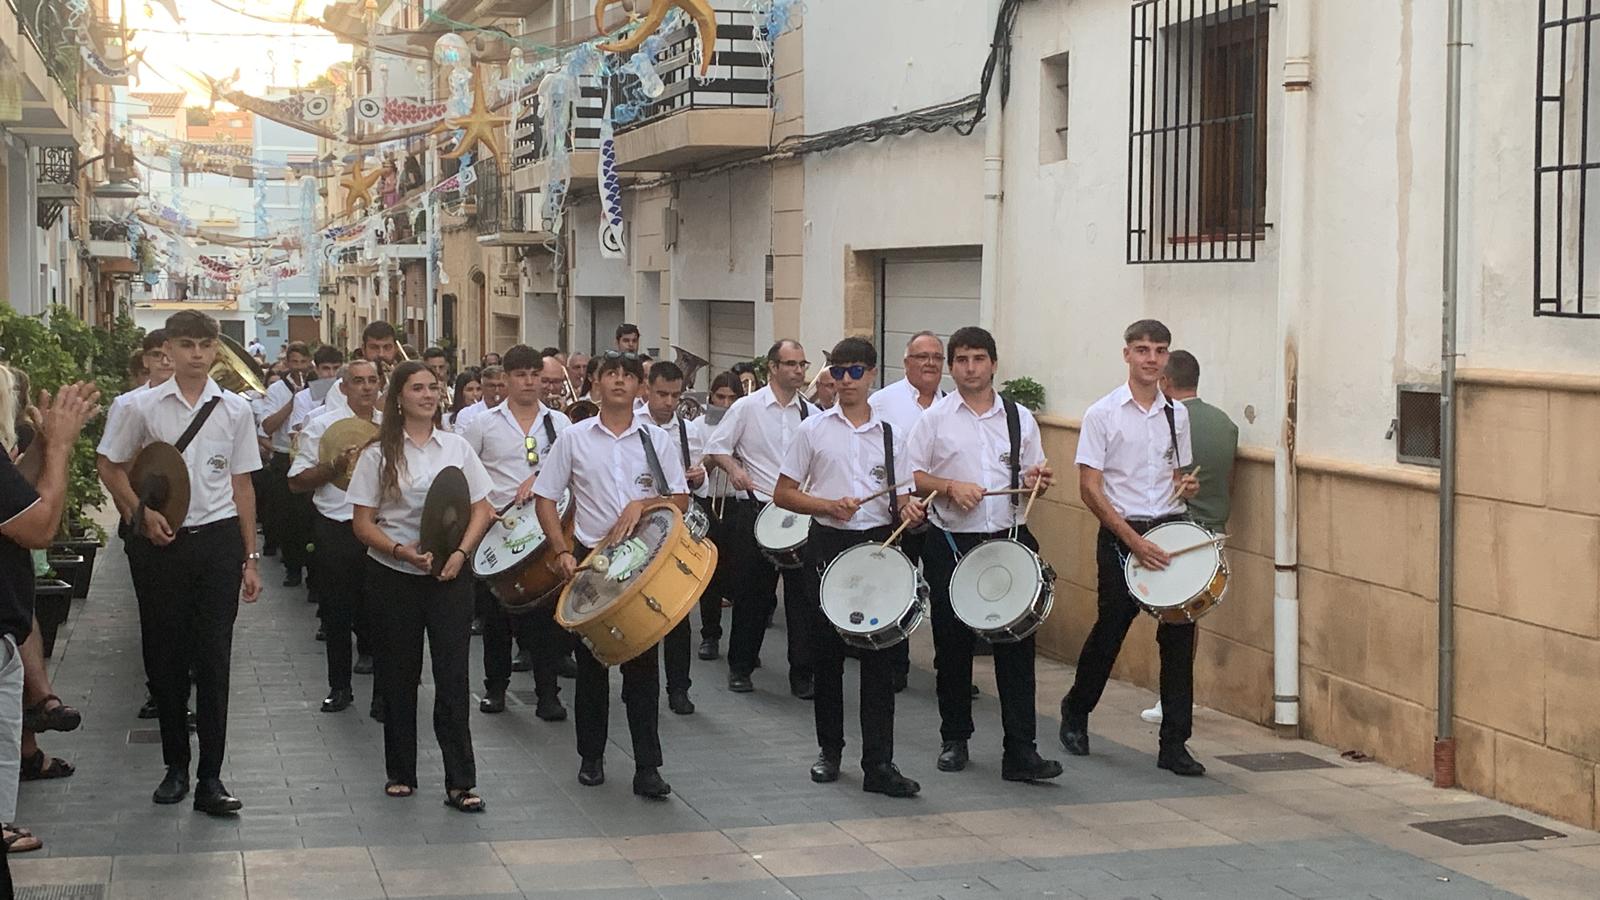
x=398 y=790
x=38 y=767
x=43 y=717
x=465 y=801
x=20 y=840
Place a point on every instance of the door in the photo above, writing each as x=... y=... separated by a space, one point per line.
x=732 y=325
x=306 y=329
x=937 y=295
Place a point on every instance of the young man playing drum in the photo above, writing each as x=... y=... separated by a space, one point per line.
x=749 y=444
x=968 y=445
x=1131 y=450
x=846 y=454
x=513 y=440
x=604 y=462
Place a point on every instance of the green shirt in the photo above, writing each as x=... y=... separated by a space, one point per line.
x=1215 y=440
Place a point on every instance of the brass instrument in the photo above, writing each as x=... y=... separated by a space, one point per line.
x=581 y=409
x=690 y=363
x=690 y=408
x=400 y=356
x=236 y=370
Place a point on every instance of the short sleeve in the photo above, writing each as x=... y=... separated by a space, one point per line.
x=246 y=453
x=478 y=483
x=919 y=445
x=671 y=460
x=16 y=494
x=309 y=450
x=1092 y=439
x=364 y=480
x=117 y=419
x=556 y=470
x=1181 y=424
x=722 y=441
x=124 y=432
x=473 y=434
x=797 y=459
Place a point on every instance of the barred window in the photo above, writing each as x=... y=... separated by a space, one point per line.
x=1567 y=131
x=1197 y=145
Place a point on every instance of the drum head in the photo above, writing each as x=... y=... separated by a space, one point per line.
x=510 y=541
x=1188 y=575
x=779 y=529
x=995 y=584
x=868 y=587
x=592 y=593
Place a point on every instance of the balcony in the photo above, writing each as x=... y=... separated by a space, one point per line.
x=695 y=123
x=58 y=175
x=47 y=69
x=504 y=215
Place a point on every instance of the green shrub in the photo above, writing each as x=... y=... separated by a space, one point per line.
x=1024 y=392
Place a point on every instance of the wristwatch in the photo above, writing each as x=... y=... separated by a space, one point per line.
x=252 y=557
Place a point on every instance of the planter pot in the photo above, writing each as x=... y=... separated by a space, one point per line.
x=87 y=548
x=72 y=569
x=52 y=602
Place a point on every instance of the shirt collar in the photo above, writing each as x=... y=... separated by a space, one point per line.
x=837 y=412
x=770 y=397
x=433 y=438
x=638 y=423
x=504 y=411
x=169 y=388
x=914 y=394
x=994 y=408
x=1124 y=394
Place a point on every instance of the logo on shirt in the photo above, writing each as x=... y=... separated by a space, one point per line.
x=1171 y=455
x=1005 y=458
x=646 y=481
x=879 y=473
x=218 y=463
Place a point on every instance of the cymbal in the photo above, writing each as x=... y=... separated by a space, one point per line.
x=445 y=514
x=161 y=480
x=341 y=436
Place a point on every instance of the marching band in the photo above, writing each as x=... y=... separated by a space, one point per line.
x=553 y=505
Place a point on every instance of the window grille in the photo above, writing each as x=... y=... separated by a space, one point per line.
x=1197 y=144
x=1416 y=427
x=1566 y=244
x=58 y=165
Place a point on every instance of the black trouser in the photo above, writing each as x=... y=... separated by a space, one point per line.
x=189 y=609
x=641 y=695
x=757 y=597
x=828 y=649
x=405 y=607
x=261 y=480
x=676 y=648
x=953 y=644
x=722 y=578
x=1117 y=612
x=341 y=565
x=293 y=512
x=139 y=552
x=535 y=629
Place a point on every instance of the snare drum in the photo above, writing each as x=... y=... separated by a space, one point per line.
x=1191 y=585
x=1002 y=590
x=873 y=596
x=513 y=558
x=782 y=535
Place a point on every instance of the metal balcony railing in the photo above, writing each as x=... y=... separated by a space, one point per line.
x=499 y=210
x=739 y=78
x=46 y=24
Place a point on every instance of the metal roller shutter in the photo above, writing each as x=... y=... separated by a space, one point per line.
x=938 y=295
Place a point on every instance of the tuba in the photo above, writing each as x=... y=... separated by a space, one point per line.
x=690 y=363
x=236 y=370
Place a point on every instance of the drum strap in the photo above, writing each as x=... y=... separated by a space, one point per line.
x=1172 y=426
x=888 y=467
x=199 y=420
x=683 y=442
x=1014 y=431
x=654 y=462
x=804 y=409
x=549 y=428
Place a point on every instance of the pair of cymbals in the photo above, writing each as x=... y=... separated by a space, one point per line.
x=445 y=515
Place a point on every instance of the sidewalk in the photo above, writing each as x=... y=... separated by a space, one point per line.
x=744 y=820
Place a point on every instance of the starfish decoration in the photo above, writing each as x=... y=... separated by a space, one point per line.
x=705 y=19
x=358 y=183
x=480 y=126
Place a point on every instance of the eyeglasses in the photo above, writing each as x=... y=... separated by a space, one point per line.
x=795 y=363
x=531 y=445
x=927 y=359
x=856 y=372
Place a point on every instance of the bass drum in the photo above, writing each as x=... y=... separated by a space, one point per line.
x=1003 y=591
x=514 y=558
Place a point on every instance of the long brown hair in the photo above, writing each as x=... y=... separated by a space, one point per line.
x=392 y=431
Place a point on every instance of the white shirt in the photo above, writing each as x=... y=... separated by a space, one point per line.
x=117 y=416
x=696 y=437
x=400 y=513
x=503 y=446
x=897 y=404
x=953 y=442
x=757 y=431
x=606 y=472
x=1134 y=450
x=464 y=418
x=329 y=499
x=843 y=460
x=278 y=396
x=306 y=405
x=224 y=447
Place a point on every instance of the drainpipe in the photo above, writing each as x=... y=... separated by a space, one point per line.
x=993 y=189
x=1291 y=295
x=1444 y=741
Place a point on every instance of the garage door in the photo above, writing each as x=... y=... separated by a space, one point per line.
x=605 y=314
x=938 y=295
x=733 y=333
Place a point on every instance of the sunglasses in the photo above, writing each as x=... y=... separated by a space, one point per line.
x=531 y=446
x=856 y=372
x=619 y=354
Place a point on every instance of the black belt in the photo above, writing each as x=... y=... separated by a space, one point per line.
x=232 y=521
x=1144 y=525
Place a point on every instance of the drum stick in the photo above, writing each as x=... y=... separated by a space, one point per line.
x=1215 y=540
x=1177 y=490
x=1038 y=482
x=866 y=500
x=1006 y=492
x=903 y=525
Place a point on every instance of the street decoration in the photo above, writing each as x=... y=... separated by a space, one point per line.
x=700 y=11
x=479 y=126
x=357 y=184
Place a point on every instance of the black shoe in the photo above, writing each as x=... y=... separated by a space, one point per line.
x=1075 y=734
x=1179 y=762
x=900 y=681
x=567 y=667
x=477 y=626
x=974 y=690
x=493 y=702
x=213 y=799
x=522 y=662
x=740 y=683
x=802 y=686
x=149 y=710
x=709 y=650
x=885 y=778
x=322 y=633
x=647 y=782
x=1032 y=767
x=338 y=700
x=363 y=665
x=173 y=788
x=549 y=709
x=825 y=770
x=952 y=756
x=376 y=709
x=592 y=772
x=293 y=579
x=679 y=703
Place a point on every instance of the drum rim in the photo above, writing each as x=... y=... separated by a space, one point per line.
x=1127 y=565
x=647 y=574
x=805 y=533
x=916 y=594
x=568 y=515
x=1040 y=565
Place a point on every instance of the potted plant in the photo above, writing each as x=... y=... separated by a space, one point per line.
x=1024 y=391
